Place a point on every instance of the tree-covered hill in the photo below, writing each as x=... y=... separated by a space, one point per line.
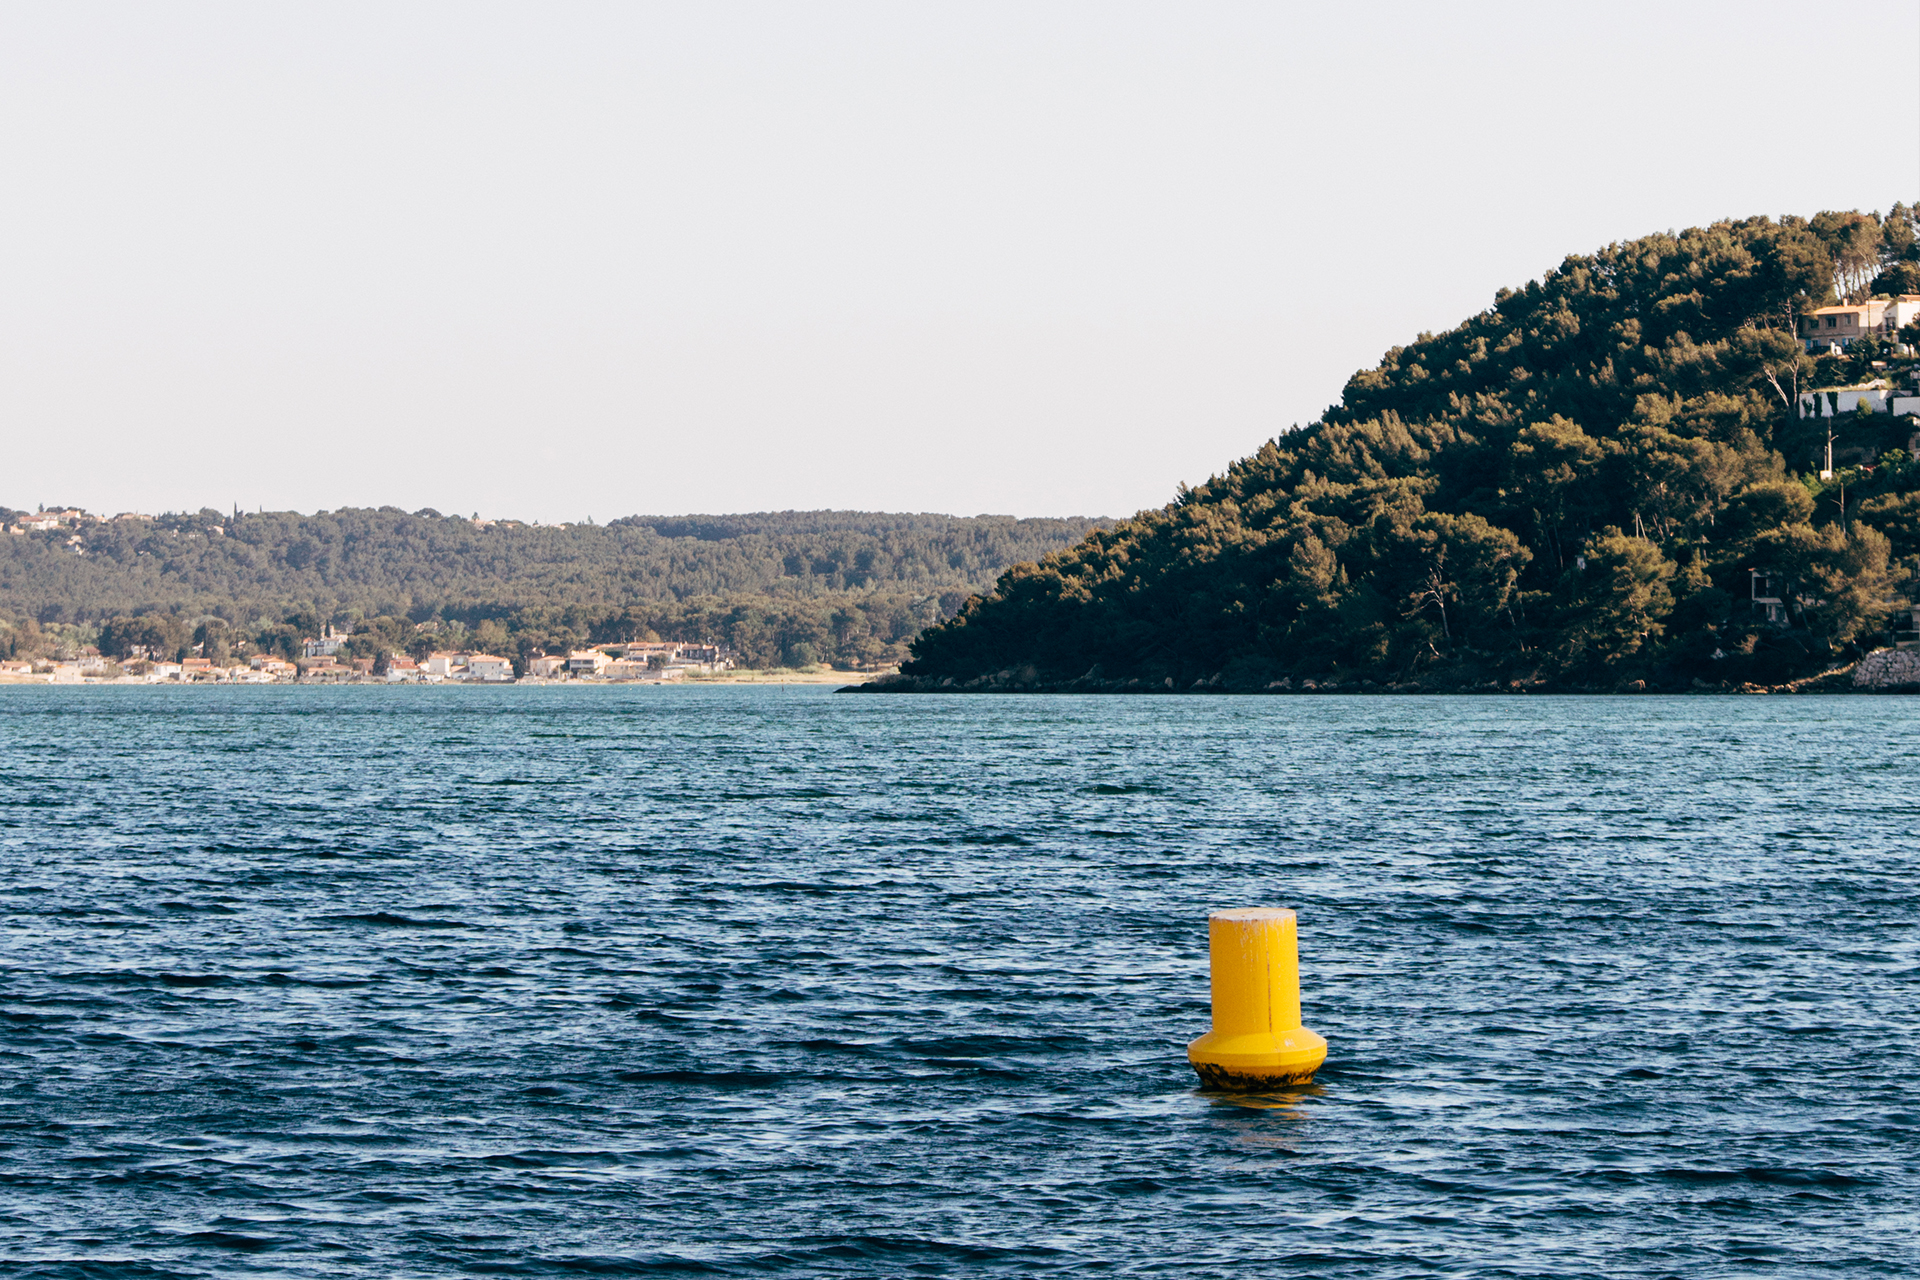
x=1572 y=488
x=780 y=586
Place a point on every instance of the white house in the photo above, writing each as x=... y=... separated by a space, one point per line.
x=489 y=667
x=1901 y=312
x=1877 y=396
x=586 y=662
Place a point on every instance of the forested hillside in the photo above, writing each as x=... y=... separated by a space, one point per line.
x=1570 y=489
x=781 y=587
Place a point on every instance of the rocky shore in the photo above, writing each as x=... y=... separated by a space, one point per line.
x=1888 y=671
x=1883 y=671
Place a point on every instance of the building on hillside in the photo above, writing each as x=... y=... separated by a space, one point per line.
x=1901 y=312
x=444 y=663
x=1843 y=402
x=1828 y=402
x=403 y=670
x=547 y=666
x=326 y=644
x=1837 y=328
x=1769 y=597
x=586 y=662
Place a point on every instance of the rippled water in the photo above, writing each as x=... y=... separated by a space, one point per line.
x=750 y=981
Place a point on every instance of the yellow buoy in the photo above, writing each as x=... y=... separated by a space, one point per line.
x=1257 y=1040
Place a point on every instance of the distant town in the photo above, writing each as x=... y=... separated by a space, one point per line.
x=321 y=662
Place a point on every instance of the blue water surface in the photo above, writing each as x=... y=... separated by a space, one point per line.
x=746 y=981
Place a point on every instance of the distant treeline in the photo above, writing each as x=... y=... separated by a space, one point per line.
x=781 y=588
x=1575 y=487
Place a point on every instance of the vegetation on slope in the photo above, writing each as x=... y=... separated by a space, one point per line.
x=781 y=588
x=1572 y=487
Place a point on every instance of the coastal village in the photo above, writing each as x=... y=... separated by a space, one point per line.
x=321 y=662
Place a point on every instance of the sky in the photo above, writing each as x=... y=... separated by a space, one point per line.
x=561 y=262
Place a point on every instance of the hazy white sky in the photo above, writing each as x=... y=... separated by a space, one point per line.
x=553 y=261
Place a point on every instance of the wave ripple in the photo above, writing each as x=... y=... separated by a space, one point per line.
x=748 y=981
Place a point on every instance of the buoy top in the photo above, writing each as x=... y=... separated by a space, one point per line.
x=1251 y=913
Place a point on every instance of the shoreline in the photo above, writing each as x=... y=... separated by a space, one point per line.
x=1843 y=680
x=773 y=676
x=783 y=675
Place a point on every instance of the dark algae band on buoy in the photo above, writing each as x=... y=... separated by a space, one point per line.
x=1257 y=1041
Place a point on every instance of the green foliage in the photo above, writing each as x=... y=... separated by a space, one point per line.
x=782 y=588
x=1572 y=485
x=1837 y=581
x=150 y=635
x=1623 y=598
x=1898 y=516
x=1853 y=240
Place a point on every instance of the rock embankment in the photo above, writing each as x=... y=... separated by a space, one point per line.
x=1029 y=680
x=1012 y=680
x=1888 y=669
x=1883 y=671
